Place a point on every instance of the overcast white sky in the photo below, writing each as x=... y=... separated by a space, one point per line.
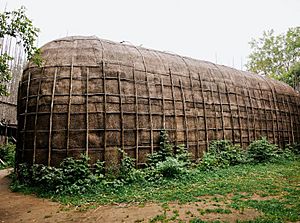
x=213 y=30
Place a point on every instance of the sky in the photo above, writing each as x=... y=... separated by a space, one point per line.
x=214 y=30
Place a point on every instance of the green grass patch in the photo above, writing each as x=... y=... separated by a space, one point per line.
x=280 y=180
x=264 y=177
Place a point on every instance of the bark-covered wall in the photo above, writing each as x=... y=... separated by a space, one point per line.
x=92 y=96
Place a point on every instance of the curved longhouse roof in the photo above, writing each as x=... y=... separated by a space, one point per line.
x=96 y=95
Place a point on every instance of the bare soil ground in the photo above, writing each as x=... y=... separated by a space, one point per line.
x=16 y=207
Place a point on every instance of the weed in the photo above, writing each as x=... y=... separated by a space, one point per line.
x=169 y=176
x=261 y=151
x=165 y=150
x=218 y=210
x=159 y=218
x=222 y=154
x=7 y=155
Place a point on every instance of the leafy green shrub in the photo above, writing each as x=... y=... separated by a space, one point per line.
x=182 y=155
x=261 y=151
x=72 y=177
x=23 y=174
x=127 y=171
x=171 y=167
x=294 y=148
x=7 y=155
x=99 y=169
x=75 y=169
x=169 y=161
x=222 y=153
x=209 y=162
x=165 y=150
x=77 y=176
x=46 y=177
x=127 y=164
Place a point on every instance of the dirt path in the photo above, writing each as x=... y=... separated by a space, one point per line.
x=16 y=207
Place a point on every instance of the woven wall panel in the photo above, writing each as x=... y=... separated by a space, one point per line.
x=93 y=96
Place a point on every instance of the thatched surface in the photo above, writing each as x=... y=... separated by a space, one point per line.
x=95 y=95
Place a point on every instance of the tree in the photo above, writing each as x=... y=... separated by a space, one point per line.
x=292 y=77
x=17 y=25
x=276 y=56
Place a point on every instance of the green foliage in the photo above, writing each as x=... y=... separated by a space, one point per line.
x=218 y=210
x=234 y=185
x=261 y=151
x=171 y=167
x=127 y=171
x=48 y=178
x=99 y=169
x=165 y=150
x=182 y=155
x=169 y=161
x=292 y=77
x=277 y=56
x=72 y=177
x=75 y=177
x=17 y=25
x=127 y=164
x=294 y=148
x=7 y=155
x=222 y=154
x=5 y=74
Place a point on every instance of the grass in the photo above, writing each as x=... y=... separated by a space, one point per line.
x=277 y=185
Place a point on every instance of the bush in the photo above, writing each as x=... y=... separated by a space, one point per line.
x=169 y=161
x=165 y=150
x=171 y=167
x=46 y=177
x=77 y=176
x=222 y=153
x=294 y=148
x=7 y=155
x=127 y=171
x=261 y=151
x=182 y=155
x=99 y=169
x=72 y=177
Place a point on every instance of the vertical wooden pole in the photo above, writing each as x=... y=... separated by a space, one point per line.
x=260 y=109
x=174 y=106
x=194 y=106
x=229 y=104
x=25 y=115
x=238 y=109
x=51 y=118
x=204 y=112
x=136 y=118
x=288 y=129
x=69 y=108
x=150 y=114
x=291 y=119
x=251 y=107
x=149 y=98
x=87 y=112
x=121 y=110
x=213 y=104
x=184 y=114
x=275 y=107
x=265 y=110
x=104 y=105
x=35 y=121
x=163 y=103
